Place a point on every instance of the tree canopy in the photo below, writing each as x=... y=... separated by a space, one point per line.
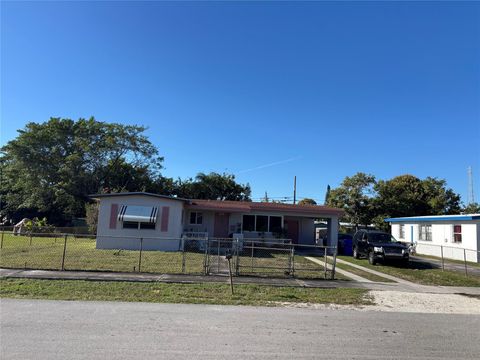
x=50 y=168
x=472 y=208
x=213 y=186
x=367 y=201
x=307 y=201
x=354 y=196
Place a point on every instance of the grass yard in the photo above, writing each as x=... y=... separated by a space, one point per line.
x=81 y=254
x=177 y=293
x=420 y=273
x=277 y=262
x=460 y=262
x=46 y=253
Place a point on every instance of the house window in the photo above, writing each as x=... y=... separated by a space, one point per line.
x=147 y=226
x=425 y=232
x=196 y=218
x=261 y=224
x=457 y=233
x=248 y=223
x=130 y=225
x=138 y=225
x=138 y=217
x=401 y=234
x=275 y=225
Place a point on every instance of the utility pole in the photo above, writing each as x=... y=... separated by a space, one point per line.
x=294 y=189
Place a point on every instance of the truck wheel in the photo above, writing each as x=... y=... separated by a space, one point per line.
x=371 y=258
x=355 y=253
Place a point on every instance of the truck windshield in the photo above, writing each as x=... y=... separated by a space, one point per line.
x=382 y=238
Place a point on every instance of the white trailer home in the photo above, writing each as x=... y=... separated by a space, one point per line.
x=453 y=236
x=161 y=221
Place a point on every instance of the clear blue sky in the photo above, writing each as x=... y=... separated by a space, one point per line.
x=318 y=90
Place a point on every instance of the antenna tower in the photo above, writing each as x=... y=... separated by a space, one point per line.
x=471 y=197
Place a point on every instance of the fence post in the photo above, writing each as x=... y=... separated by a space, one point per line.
x=253 y=246
x=325 y=275
x=237 y=263
x=1 y=243
x=465 y=261
x=443 y=264
x=206 y=259
x=218 y=256
x=183 y=255
x=30 y=239
x=64 y=251
x=334 y=263
x=292 y=260
x=140 y=255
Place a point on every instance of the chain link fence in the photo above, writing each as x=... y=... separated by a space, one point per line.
x=449 y=257
x=193 y=255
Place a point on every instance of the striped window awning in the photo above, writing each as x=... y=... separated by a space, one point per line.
x=143 y=214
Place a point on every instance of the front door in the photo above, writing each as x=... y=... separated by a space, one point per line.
x=220 y=228
x=292 y=229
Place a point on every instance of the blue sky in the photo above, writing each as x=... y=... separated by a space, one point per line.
x=263 y=90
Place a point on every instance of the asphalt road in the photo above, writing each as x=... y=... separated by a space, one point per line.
x=35 y=329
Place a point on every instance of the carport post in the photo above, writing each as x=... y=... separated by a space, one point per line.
x=443 y=264
x=140 y=255
x=64 y=251
x=465 y=260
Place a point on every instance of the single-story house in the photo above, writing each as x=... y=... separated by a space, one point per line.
x=454 y=235
x=161 y=221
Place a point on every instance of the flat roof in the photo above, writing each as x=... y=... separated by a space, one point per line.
x=433 y=218
x=252 y=207
x=238 y=206
x=98 y=196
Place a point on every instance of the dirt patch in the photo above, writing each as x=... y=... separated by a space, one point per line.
x=397 y=301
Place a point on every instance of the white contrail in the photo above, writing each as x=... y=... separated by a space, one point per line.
x=269 y=165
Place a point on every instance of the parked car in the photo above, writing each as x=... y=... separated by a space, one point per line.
x=378 y=246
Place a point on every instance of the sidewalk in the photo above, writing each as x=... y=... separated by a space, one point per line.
x=198 y=279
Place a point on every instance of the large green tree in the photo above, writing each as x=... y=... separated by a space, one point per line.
x=307 y=201
x=472 y=208
x=213 y=186
x=354 y=196
x=407 y=195
x=50 y=168
x=366 y=201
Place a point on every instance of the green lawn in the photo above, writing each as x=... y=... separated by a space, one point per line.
x=81 y=254
x=46 y=253
x=461 y=262
x=177 y=293
x=419 y=273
